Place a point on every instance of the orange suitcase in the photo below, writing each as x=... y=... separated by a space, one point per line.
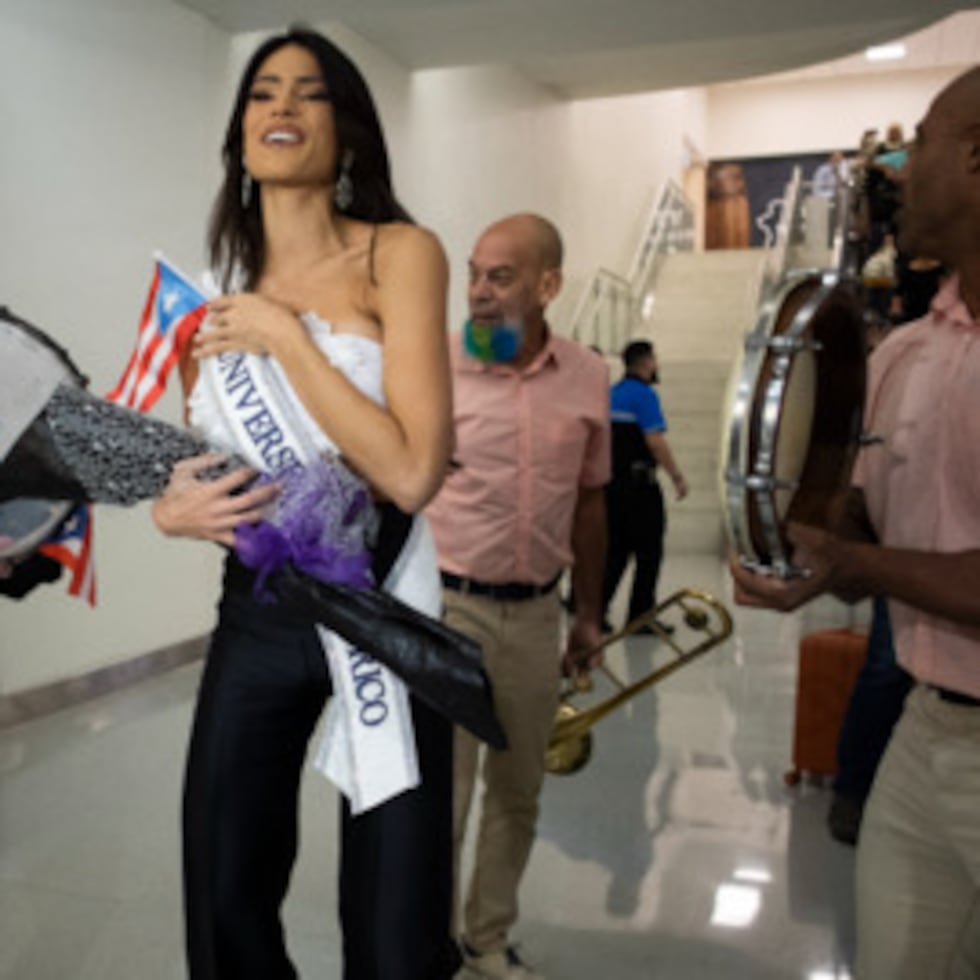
x=830 y=662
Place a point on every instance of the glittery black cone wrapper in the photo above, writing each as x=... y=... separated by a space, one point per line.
x=83 y=448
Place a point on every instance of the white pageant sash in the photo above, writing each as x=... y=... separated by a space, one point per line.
x=258 y=420
x=369 y=752
x=357 y=739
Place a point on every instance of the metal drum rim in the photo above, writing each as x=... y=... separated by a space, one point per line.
x=738 y=494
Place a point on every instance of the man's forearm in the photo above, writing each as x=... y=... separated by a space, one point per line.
x=589 y=551
x=661 y=451
x=850 y=518
x=942 y=584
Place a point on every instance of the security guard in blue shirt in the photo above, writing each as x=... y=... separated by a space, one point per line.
x=634 y=502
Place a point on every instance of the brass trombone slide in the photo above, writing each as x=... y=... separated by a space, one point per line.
x=570 y=745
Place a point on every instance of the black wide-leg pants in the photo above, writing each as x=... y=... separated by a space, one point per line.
x=264 y=686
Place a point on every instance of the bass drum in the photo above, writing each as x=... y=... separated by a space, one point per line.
x=794 y=419
x=34 y=364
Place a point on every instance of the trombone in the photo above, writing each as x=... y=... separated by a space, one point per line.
x=570 y=746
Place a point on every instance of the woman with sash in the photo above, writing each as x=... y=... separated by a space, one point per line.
x=337 y=301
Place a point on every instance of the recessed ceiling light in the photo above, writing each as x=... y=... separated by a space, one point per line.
x=885 y=52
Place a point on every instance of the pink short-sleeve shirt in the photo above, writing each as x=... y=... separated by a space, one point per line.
x=922 y=482
x=526 y=441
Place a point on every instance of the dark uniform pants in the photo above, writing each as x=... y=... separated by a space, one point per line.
x=636 y=523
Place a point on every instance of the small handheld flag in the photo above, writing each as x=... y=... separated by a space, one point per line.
x=175 y=308
x=71 y=546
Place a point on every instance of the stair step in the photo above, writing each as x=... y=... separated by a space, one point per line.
x=714 y=260
x=694 y=532
x=692 y=400
x=704 y=305
x=685 y=432
x=699 y=466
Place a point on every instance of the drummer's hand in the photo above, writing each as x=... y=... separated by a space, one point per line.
x=581 y=652
x=827 y=555
x=209 y=509
x=6 y=568
x=245 y=322
x=816 y=552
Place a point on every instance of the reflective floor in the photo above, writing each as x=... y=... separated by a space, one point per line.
x=678 y=852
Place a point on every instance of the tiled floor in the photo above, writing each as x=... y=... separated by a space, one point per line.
x=676 y=853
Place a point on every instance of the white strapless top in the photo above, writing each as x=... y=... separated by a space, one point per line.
x=414 y=578
x=357 y=357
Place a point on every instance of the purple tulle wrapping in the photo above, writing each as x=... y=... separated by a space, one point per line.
x=320 y=522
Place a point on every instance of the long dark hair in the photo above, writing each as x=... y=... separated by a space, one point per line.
x=235 y=235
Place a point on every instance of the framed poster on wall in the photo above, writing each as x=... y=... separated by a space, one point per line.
x=742 y=196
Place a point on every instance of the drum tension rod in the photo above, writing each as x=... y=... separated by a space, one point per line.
x=756 y=481
x=781 y=344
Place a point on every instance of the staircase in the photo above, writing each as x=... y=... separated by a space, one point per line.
x=697 y=308
x=705 y=304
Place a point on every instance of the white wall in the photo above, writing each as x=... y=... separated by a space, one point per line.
x=485 y=143
x=122 y=133
x=109 y=152
x=773 y=118
x=620 y=152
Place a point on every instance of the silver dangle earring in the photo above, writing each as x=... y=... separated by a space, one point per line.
x=343 y=192
x=246 y=188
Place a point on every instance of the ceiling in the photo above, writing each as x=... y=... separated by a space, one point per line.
x=585 y=48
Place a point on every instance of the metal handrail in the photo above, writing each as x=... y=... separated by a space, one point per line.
x=844 y=250
x=791 y=230
x=586 y=322
x=787 y=227
x=669 y=227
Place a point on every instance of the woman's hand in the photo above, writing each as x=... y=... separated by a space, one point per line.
x=245 y=322
x=209 y=509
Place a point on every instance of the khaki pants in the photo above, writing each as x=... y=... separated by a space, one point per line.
x=522 y=659
x=918 y=865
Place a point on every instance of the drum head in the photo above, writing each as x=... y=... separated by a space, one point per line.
x=27 y=522
x=794 y=428
x=803 y=395
x=837 y=325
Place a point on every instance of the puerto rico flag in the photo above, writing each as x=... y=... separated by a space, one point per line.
x=174 y=309
x=72 y=548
